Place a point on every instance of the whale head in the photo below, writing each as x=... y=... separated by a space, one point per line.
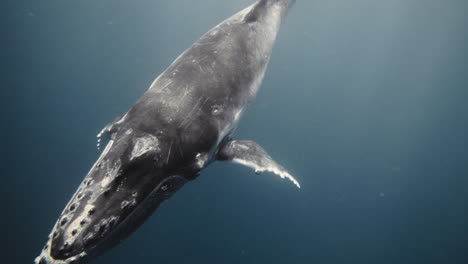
x=125 y=185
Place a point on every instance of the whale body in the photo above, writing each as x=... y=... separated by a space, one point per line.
x=180 y=125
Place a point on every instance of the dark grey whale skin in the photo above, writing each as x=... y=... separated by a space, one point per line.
x=169 y=135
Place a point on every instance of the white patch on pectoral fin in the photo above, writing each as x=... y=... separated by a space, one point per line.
x=106 y=132
x=250 y=154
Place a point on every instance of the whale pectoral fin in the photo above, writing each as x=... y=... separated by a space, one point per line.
x=107 y=131
x=250 y=154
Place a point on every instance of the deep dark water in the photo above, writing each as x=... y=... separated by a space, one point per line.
x=365 y=102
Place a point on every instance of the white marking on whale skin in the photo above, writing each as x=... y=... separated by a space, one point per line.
x=186 y=92
x=143 y=145
x=229 y=128
x=108 y=146
x=106 y=129
x=274 y=169
x=75 y=225
x=167 y=82
x=103 y=154
x=180 y=101
x=111 y=173
x=201 y=160
x=121 y=119
x=50 y=260
x=47 y=257
x=154 y=82
x=216 y=109
x=190 y=116
x=101 y=133
x=105 y=182
x=169 y=152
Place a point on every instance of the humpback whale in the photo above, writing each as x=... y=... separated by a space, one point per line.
x=181 y=124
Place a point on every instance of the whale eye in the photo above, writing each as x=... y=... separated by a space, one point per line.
x=216 y=109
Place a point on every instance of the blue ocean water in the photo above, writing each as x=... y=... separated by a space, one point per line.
x=364 y=102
